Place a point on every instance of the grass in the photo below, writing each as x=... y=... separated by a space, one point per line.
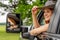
x=7 y=36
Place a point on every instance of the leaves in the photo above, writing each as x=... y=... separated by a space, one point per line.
x=25 y=9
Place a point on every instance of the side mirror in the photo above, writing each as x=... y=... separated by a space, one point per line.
x=25 y=33
x=24 y=29
x=13 y=23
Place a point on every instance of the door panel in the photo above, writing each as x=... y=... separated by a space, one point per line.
x=54 y=27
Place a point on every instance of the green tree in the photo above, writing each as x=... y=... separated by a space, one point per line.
x=25 y=9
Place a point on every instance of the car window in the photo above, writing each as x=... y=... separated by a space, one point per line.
x=42 y=22
x=41 y=18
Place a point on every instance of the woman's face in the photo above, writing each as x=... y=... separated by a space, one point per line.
x=12 y=22
x=47 y=14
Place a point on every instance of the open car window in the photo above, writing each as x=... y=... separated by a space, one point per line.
x=41 y=18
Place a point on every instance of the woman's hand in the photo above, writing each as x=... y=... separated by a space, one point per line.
x=34 y=32
x=34 y=10
x=39 y=30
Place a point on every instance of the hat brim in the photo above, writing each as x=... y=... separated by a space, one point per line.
x=14 y=17
x=50 y=6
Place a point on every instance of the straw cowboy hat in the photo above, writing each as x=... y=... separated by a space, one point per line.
x=49 y=4
x=13 y=16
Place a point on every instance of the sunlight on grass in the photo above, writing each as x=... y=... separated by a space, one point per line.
x=7 y=36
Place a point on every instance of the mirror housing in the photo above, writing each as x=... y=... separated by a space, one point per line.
x=13 y=23
x=25 y=31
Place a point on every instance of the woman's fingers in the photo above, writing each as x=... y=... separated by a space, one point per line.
x=34 y=32
x=34 y=10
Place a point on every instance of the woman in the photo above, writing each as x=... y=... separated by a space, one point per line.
x=13 y=21
x=48 y=11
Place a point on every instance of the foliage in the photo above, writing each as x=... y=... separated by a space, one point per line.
x=10 y=0
x=25 y=9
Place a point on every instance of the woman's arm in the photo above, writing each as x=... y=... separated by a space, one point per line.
x=35 y=21
x=39 y=30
